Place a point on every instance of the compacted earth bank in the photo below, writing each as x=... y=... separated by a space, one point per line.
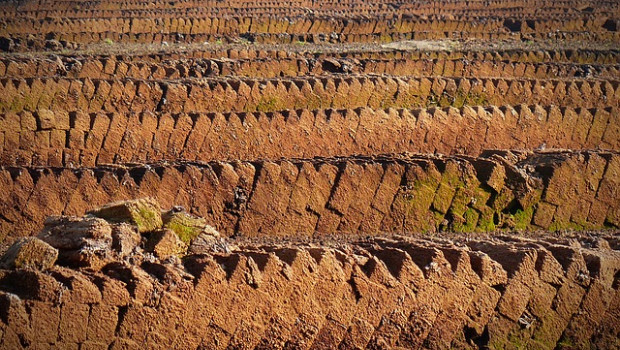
x=309 y=174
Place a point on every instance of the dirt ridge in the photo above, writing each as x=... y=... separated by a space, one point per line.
x=76 y=139
x=402 y=193
x=265 y=95
x=377 y=293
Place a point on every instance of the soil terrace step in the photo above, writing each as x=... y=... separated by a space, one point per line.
x=402 y=193
x=75 y=9
x=349 y=7
x=313 y=29
x=290 y=67
x=71 y=40
x=349 y=294
x=78 y=139
x=268 y=95
x=406 y=50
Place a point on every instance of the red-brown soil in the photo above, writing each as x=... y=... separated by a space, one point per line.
x=78 y=139
x=402 y=193
x=294 y=128
x=375 y=293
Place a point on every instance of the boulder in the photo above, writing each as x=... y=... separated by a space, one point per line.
x=81 y=241
x=29 y=253
x=71 y=232
x=144 y=213
x=92 y=256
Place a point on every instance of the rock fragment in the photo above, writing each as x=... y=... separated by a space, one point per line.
x=206 y=243
x=125 y=238
x=165 y=243
x=29 y=253
x=145 y=213
x=187 y=226
x=47 y=119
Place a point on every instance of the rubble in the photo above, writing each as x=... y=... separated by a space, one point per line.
x=131 y=230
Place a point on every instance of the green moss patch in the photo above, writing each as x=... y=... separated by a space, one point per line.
x=186 y=226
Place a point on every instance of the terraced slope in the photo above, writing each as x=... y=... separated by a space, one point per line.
x=331 y=91
x=251 y=105
x=308 y=119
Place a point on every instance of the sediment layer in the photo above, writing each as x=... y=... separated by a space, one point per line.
x=137 y=68
x=268 y=29
x=77 y=139
x=269 y=95
x=405 y=51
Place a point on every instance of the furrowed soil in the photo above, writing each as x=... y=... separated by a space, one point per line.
x=368 y=175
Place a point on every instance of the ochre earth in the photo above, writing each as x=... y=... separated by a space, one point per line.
x=109 y=291
x=309 y=174
x=500 y=190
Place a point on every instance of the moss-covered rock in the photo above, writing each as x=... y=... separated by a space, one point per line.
x=29 y=253
x=523 y=218
x=186 y=226
x=145 y=213
x=486 y=222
